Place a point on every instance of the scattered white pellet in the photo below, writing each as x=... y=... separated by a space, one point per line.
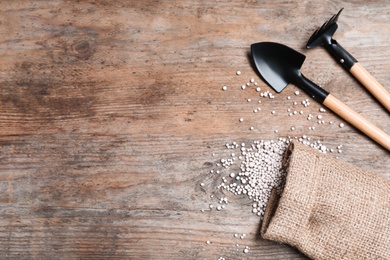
x=341 y=125
x=252 y=128
x=288 y=97
x=241 y=119
x=292 y=128
x=243 y=86
x=249 y=100
x=273 y=112
x=208 y=242
x=258 y=89
x=238 y=72
x=305 y=103
x=296 y=92
x=252 y=80
x=202 y=184
x=319 y=117
x=224 y=88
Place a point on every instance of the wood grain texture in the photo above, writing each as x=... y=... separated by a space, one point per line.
x=110 y=112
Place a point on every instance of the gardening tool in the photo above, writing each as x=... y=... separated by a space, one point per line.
x=280 y=65
x=323 y=36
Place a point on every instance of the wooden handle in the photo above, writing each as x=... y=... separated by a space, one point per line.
x=357 y=121
x=371 y=84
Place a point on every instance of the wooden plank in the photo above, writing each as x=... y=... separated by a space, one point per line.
x=110 y=113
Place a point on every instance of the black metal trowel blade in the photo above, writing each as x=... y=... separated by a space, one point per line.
x=277 y=63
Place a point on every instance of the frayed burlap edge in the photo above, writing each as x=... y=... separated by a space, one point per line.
x=329 y=209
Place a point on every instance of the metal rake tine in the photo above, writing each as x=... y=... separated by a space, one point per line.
x=314 y=34
x=333 y=19
x=324 y=25
x=337 y=15
x=319 y=29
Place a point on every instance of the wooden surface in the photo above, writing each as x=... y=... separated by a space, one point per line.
x=111 y=111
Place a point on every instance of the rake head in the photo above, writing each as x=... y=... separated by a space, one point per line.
x=323 y=35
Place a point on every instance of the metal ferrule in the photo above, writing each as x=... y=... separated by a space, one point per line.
x=313 y=90
x=340 y=54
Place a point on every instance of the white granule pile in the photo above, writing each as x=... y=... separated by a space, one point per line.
x=260 y=171
x=254 y=170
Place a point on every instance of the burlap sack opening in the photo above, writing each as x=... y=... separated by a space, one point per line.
x=329 y=209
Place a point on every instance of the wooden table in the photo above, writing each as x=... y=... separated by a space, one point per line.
x=112 y=114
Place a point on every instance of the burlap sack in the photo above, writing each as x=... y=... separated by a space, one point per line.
x=330 y=209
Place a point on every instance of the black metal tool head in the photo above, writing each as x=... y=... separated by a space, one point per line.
x=323 y=35
x=278 y=64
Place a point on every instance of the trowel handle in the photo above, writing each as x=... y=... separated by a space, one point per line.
x=371 y=84
x=357 y=121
